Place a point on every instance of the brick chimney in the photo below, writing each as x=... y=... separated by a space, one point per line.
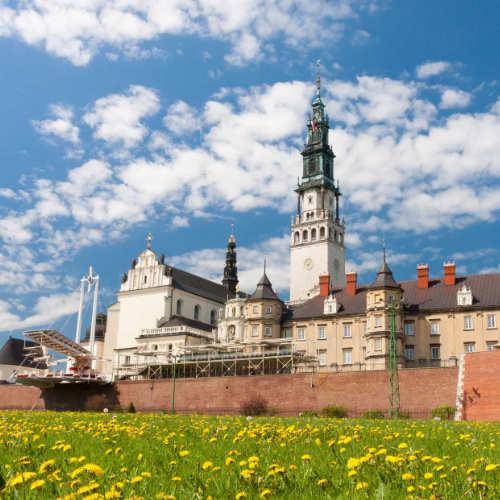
x=449 y=273
x=423 y=276
x=324 y=285
x=351 y=280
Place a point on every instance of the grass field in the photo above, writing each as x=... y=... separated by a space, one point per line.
x=89 y=455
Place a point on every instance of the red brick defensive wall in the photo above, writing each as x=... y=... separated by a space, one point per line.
x=481 y=386
x=421 y=390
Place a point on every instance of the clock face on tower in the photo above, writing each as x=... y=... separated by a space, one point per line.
x=308 y=264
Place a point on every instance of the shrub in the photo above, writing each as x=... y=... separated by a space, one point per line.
x=443 y=412
x=374 y=414
x=334 y=412
x=131 y=407
x=254 y=406
x=308 y=414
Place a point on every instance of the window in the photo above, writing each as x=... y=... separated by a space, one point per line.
x=268 y=331
x=269 y=309
x=321 y=232
x=255 y=309
x=377 y=345
x=491 y=345
x=254 y=330
x=213 y=316
x=155 y=347
x=347 y=330
x=127 y=360
x=469 y=346
x=196 y=312
x=491 y=321
x=304 y=236
x=179 y=307
x=378 y=321
x=321 y=332
x=233 y=312
x=435 y=352
x=313 y=234
x=468 y=323
x=363 y=351
x=145 y=279
x=347 y=356
x=296 y=237
x=435 y=326
x=409 y=328
x=410 y=352
x=231 y=332
x=286 y=333
x=301 y=333
x=322 y=358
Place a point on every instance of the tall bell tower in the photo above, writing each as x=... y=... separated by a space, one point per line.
x=317 y=239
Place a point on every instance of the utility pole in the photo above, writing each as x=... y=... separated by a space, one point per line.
x=393 y=364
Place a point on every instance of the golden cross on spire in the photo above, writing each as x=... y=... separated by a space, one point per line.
x=149 y=239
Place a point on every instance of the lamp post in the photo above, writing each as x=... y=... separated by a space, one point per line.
x=172 y=403
x=393 y=364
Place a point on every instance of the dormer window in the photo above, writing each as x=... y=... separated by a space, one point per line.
x=330 y=305
x=464 y=296
x=145 y=279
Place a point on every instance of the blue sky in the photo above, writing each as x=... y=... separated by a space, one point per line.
x=182 y=117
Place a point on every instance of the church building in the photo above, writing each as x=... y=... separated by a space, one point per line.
x=169 y=322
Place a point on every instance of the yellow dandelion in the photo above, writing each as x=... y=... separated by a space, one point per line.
x=46 y=465
x=35 y=485
x=402 y=446
x=361 y=485
x=240 y=495
x=207 y=465
x=491 y=467
x=247 y=473
x=407 y=476
x=176 y=478
x=20 y=479
x=306 y=457
x=183 y=453
x=136 y=479
x=322 y=482
x=410 y=489
x=428 y=475
x=112 y=494
x=352 y=473
x=229 y=461
x=87 y=488
x=265 y=493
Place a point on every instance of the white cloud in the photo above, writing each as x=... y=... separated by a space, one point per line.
x=360 y=37
x=7 y=193
x=78 y=30
x=454 y=98
x=117 y=118
x=400 y=165
x=60 y=125
x=432 y=68
x=46 y=311
x=182 y=118
x=209 y=263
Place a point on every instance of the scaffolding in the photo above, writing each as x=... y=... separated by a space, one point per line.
x=265 y=357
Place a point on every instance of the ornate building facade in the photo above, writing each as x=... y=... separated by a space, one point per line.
x=164 y=316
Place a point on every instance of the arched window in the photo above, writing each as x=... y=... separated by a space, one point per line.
x=145 y=279
x=304 y=235
x=213 y=316
x=179 y=307
x=231 y=332
x=296 y=237
x=233 y=312
x=321 y=232
x=313 y=234
x=196 y=311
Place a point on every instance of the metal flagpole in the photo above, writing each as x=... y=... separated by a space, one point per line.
x=393 y=366
x=80 y=311
x=172 y=403
x=95 y=281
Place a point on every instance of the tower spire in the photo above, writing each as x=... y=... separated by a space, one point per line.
x=230 y=279
x=318 y=77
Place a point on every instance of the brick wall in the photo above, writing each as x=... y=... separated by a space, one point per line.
x=421 y=389
x=481 y=397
